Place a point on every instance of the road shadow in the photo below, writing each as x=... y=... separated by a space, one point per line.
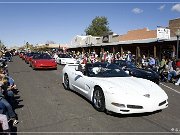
x=15 y=91
x=16 y=97
x=45 y=70
x=113 y=114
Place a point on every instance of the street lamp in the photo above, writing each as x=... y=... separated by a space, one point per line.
x=177 y=50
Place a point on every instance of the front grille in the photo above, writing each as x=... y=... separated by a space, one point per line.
x=162 y=103
x=134 y=106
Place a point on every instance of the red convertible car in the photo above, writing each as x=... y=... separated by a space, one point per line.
x=43 y=61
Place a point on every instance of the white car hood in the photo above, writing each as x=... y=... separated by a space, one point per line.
x=131 y=85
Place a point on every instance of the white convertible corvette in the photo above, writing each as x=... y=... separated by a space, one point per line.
x=110 y=88
x=65 y=59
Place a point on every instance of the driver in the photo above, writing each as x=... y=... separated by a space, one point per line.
x=81 y=67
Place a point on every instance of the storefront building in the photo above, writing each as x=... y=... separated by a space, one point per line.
x=139 y=42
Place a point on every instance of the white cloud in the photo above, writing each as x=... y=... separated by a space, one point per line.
x=161 y=7
x=137 y=10
x=176 y=8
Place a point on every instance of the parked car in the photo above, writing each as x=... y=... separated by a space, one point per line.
x=110 y=88
x=65 y=59
x=138 y=72
x=43 y=61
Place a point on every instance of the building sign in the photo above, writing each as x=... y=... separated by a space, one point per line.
x=105 y=39
x=163 y=33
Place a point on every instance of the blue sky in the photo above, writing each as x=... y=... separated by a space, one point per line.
x=60 y=22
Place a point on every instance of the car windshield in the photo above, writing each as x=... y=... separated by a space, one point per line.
x=105 y=70
x=64 y=56
x=29 y=54
x=123 y=63
x=130 y=64
x=42 y=56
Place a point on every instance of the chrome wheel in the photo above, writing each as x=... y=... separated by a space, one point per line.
x=99 y=100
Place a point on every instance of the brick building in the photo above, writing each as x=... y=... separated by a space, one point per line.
x=174 y=25
x=138 y=34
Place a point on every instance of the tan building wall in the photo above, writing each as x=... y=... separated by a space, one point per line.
x=138 y=34
x=173 y=26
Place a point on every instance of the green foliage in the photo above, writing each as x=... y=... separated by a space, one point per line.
x=98 y=27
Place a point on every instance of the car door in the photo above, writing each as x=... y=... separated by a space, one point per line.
x=79 y=82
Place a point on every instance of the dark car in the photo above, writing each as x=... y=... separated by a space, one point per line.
x=138 y=72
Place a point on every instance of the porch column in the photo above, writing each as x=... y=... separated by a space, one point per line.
x=114 y=49
x=102 y=49
x=121 y=50
x=155 y=51
x=174 y=50
x=89 y=50
x=83 y=50
x=138 y=51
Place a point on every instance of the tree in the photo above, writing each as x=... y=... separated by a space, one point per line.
x=98 y=27
x=27 y=44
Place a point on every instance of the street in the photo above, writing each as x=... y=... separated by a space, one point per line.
x=45 y=107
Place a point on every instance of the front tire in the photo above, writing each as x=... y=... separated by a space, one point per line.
x=99 y=100
x=66 y=82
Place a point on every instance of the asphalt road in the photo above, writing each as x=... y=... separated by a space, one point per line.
x=45 y=107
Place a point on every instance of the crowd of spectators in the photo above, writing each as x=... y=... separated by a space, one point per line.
x=166 y=67
x=7 y=91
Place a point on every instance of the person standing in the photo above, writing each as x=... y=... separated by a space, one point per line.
x=151 y=62
x=129 y=56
